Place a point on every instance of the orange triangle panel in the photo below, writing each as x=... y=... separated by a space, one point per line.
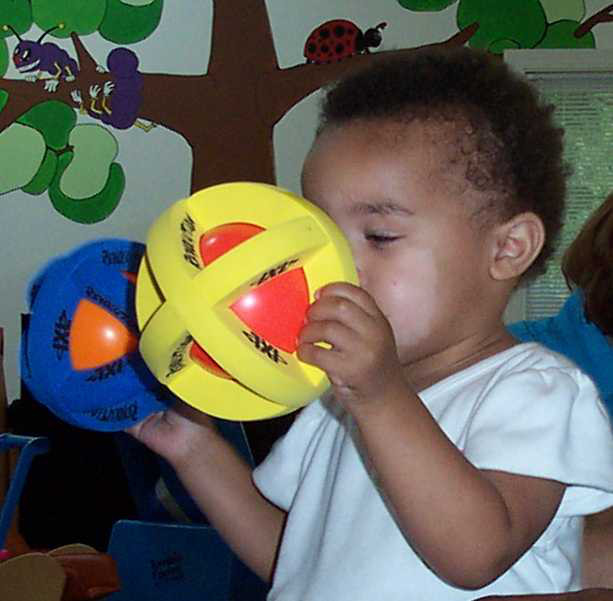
x=97 y=337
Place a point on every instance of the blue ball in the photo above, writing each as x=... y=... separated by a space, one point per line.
x=79 y=353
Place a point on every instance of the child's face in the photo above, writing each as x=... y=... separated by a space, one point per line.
x=406 y=214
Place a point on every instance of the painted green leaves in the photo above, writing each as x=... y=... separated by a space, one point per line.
x=82 y=19
x=46 y=151
x=516 y=24
x=503 y=24
x=129 y=22
x=119 y=21
x=425 y=5
x=16 y=14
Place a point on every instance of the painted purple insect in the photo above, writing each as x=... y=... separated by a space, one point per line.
x=119 y=100
x=46 y=61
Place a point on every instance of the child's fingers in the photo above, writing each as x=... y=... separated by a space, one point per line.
x=349 y=305
x=335 y=308
x=137 y=429
x=190 y=413
x=335 y=333
x=351 y=293
x=313 y=354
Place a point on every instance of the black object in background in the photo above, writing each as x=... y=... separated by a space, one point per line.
x=77 y=491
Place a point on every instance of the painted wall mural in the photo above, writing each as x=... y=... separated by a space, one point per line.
x=45 y=150
x=42 y=147
x=231 y=140
x=527 y=24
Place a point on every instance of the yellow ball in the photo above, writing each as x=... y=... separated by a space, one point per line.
x=221 y=295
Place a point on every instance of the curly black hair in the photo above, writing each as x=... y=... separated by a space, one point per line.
x=507 y=140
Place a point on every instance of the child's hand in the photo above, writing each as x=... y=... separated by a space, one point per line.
x=176 y=434
x=362 y=363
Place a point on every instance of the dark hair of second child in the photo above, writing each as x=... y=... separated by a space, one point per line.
x=588 y=264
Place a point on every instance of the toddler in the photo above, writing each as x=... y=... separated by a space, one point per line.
x=447 y=461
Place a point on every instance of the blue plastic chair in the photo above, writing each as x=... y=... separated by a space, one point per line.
x=159 y=559
x=178 y=562
x=30 y=448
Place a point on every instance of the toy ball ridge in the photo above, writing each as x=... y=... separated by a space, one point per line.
x=222 y=294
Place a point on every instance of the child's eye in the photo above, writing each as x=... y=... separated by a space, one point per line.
x=380 y=239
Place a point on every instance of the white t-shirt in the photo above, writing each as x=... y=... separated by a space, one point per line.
x=526 y=410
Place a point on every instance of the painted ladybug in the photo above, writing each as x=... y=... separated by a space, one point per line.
x=338 y=39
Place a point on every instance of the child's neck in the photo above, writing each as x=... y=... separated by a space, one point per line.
x=424 y=373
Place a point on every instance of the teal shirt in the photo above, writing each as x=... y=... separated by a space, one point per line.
x=571 y=334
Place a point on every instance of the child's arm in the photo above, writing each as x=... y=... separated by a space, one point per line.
x=219 y=481
x=468 y=525
x=598 y=550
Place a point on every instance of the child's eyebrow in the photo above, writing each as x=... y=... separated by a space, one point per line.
x=380 y=208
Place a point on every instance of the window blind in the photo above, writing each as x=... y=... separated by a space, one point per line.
x=584 y=108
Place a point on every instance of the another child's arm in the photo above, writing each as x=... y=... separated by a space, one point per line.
x=219 y=481
x=468 y=525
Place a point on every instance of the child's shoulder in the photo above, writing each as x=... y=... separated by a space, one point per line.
x=529 y=356
x=526 y=371
x=543 y=371
x=524 y=414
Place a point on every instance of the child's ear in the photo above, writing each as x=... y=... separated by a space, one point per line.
x=516 y=244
